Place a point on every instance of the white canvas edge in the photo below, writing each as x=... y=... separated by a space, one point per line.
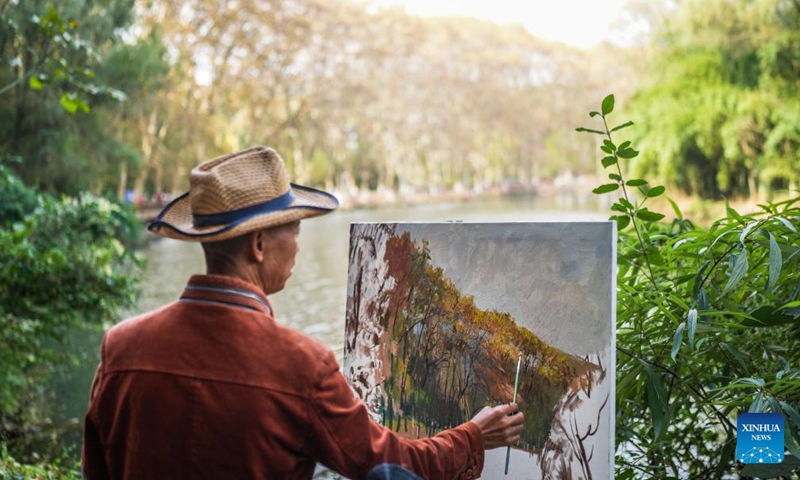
x=613 y=363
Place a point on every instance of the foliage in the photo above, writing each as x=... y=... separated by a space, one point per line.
x=47 y=49
x=707 y=325
x=348 y=94
x=720 y=114
x=53 y=77
x=18 y=199
x=63 y=269
x=11 y=469
x=63 y=261
x=351 y=97
x=142 y=71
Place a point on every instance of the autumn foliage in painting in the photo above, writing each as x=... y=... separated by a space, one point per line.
x=446 y=358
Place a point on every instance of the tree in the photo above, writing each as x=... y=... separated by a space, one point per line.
x=358 y=98
x=63 y=264
x=140 y=70
x=49 y=83
x=720 y=115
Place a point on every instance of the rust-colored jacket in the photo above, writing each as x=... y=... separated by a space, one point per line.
x=212 y=387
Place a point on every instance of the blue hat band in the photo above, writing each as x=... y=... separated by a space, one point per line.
x=237 y=216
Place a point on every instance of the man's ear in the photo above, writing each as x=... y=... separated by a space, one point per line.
x=257 y=245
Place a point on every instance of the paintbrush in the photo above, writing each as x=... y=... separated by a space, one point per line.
x=514 y=399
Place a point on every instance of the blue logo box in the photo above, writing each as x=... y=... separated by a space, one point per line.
x=759 y=438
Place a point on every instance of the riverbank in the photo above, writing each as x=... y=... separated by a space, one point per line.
x=385 y=197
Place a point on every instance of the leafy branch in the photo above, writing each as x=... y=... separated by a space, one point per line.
x=56 y=54
x=633 y=211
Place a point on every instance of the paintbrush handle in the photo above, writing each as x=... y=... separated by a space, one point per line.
x=514 y=399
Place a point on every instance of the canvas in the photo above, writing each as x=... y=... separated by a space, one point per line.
x=439 y=314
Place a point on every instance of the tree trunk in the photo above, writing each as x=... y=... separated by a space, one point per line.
x=123 y=182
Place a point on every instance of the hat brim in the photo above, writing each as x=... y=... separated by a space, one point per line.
x=175 y=220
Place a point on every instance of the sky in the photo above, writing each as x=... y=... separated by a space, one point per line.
x=581 y=23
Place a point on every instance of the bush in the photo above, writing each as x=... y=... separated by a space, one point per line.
x=10 y=469
x=18 y=199
x=707 y=327
x=63 y=269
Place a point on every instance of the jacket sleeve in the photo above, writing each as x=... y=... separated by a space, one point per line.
x=344 y=438
x=93 y=461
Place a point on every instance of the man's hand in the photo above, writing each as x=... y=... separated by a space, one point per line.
x=501 y=426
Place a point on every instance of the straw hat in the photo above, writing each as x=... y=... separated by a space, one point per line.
x=238 y=193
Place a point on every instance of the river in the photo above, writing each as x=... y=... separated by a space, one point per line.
x=315 y=296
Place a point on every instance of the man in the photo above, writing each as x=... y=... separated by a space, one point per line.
x=211 y=386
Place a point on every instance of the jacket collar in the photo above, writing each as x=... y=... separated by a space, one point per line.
x=227 y=290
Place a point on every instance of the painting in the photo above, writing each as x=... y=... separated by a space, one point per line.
x=439 y=315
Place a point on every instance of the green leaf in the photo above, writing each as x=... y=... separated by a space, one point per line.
x=677 y=339
x=738 y=271
x=622 y=221
x=773 y=405
x=738 y=356
x=702 y=300
x=618 y=208
x=734 y=214
x=594 y=114
x=610 y=145
x=636 y=182
x=785 y=469
x=675 y=208
x=728 y=452
x=746 y=231
x=608 y=187
x=72 y=103
x=657 y=400
x=698 y=280
x=775 y=262
x=648 y=216
x=768 y=316
x=758 y=404
x=655 y=191
x=629 y=474
x=625 y=203
x=34 y=83
x=654 y=255
x=627 y=153
x=68 y=103
x=608 y=105
x=624 y=145
x=620 y=127
x=606 y=149
x=691 y=321
x=791 y=445
x=787 y=223
x=614 y=176
x=790 y=412
x=589 y=130
x=791 y=305
x=608 y=161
